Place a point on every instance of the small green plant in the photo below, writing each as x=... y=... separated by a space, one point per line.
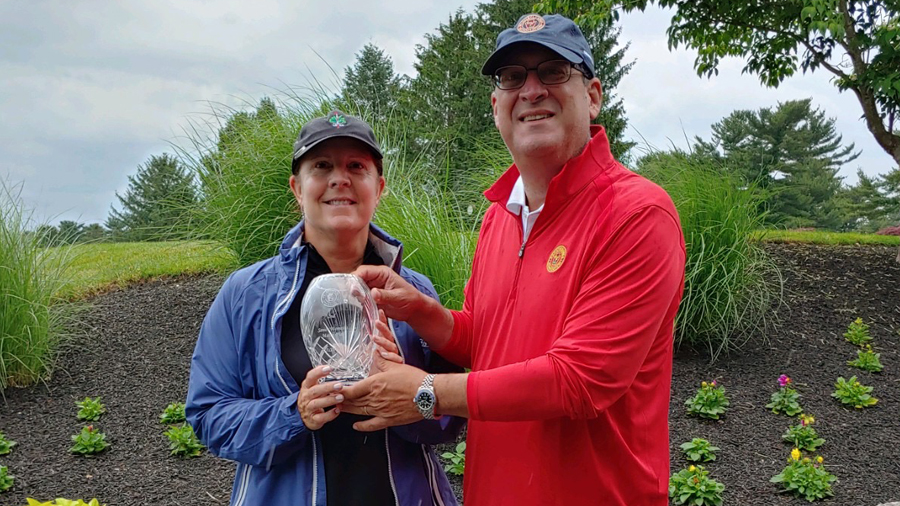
x=853 y=393
x=858 y=333
x=183 y=442
x=785 y=399
x=867 y=360
x=5 y=444
x=64 y=502
x=709 y=402
x=805 y=477
x=6 y=479
x=90 y=410
x=699 y=450
x=174 y=413
x=693 y=486
x=803 y=435
x=89 y=441
x=457 y=460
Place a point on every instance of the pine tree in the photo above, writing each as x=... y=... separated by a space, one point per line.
x=792 y=152
x=450 y=100
x=156 y=204
x=371 y=87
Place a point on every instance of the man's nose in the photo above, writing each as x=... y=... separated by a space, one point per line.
x=533 y=89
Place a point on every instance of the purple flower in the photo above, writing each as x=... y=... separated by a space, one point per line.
x=784 y=381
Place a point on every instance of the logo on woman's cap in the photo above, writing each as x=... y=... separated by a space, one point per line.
x=530 y=24
x=337 y=119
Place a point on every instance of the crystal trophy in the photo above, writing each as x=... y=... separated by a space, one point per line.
x=337 y=319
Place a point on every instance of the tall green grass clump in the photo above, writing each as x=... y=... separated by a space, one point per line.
x=30 y=277
x=730 y=282
x=246 y=203
x=248 y=207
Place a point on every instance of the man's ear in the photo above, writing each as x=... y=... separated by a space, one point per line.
x=595 y=94
x=494 y=109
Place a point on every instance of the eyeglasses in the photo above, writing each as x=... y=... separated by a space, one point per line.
x=512 y=77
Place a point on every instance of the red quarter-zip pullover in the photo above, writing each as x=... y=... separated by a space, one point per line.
x=570 y=341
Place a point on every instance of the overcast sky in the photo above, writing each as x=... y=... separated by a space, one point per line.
x=89 y=90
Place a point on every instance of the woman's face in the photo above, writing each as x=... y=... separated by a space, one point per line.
x=338 y=187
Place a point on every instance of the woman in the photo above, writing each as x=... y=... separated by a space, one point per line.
x=254 y=396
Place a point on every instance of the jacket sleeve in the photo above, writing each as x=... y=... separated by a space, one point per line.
x=447 y=428
x=627 y=294
x=220 y=403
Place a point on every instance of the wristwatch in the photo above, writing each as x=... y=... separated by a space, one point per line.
x=425 y=399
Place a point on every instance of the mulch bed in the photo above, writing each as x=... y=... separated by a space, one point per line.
x=138 y=343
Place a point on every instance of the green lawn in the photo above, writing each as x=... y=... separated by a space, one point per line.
x=822 y=237
x=95 y=268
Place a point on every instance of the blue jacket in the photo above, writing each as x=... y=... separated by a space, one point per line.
x=242 y=402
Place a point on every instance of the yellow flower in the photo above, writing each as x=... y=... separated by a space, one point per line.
x=819 y=459
x=795 y=454
x=702 y=383
x=692 y=469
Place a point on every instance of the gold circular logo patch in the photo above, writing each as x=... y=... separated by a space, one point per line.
x=530 y=24
x=556 y=259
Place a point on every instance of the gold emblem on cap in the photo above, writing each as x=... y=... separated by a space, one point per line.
x=530 y=24
x=556 y=258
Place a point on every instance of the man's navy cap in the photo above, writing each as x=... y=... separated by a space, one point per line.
x=555 y=32
x=334 y=124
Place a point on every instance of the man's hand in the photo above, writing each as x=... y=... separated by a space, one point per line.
x=401 y=301
x=387 y=396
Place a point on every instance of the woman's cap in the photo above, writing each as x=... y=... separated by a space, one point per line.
x=334 y=124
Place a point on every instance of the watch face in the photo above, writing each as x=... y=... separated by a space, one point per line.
x=425 y=400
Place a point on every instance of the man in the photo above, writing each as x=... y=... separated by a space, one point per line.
x=568 y=318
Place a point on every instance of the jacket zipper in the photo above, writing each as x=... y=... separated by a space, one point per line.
x=387 y=448
x=315 y=486
x=432 y=479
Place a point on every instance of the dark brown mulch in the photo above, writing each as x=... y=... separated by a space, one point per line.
x=137 y=353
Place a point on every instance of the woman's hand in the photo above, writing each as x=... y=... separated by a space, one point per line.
x=315 y=397
x=386 y=348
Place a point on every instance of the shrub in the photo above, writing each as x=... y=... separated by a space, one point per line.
x=730 y=282
x=699 y=450
x=805 y=478
x=709 y=402
x=457 y=460
x=858 y=333
x=803 y=435
x=6 y=444
x=889 y=231
x=867 y=360
x=89 y=410
x=31 y=324
x=64 y=502
x=785 y=399
x=6 y=479
x=693 y=486
x=183 y=442
x=174 y=413
x=89 y=441
x=852 y=393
